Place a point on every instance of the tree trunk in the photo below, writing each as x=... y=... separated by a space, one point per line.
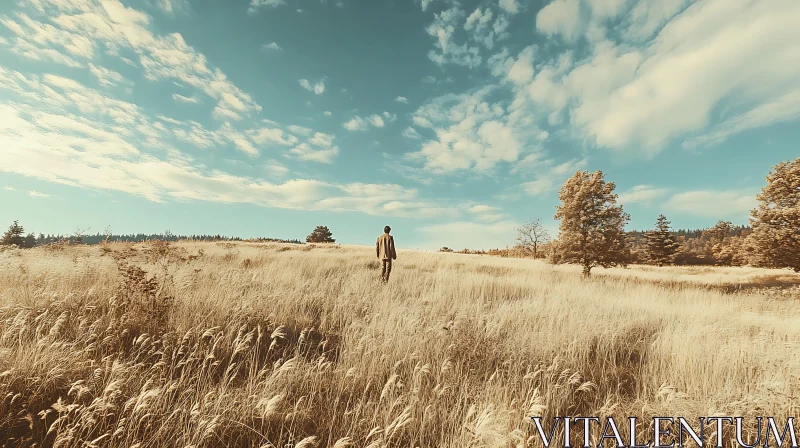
x=586 y=270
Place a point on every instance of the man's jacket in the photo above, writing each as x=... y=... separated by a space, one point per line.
x=384 y=247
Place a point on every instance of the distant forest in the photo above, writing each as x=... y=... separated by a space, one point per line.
x=97 y=238
x=720 y=245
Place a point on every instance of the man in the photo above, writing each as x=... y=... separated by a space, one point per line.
x=384 y=249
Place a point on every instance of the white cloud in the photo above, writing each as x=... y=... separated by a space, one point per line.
x=521 y=71
x=442 y=29
x=411 y=133
x=638 y=96
x=482 y=32
x=36 y=194
x=256 y=4
x=58 y=130
x=185 y=99
x=322 y=140
x=486 y=213
x=305 y=151
x=500 y=26
x=299 y=130
x=641 y=193
x=529 y=163
x=172 y=7
x=478 y=19
x=509 y=6
x=717 y=204
x=36 y=40
x=471 y=133
x=648 y=16
x=481 y=208
x=81 y=27
x=550 y=177
x=9 y=189
x=422 y=121
x=270 y=135
x=358 y=123
x=782 y=109
x=32 y=148
x=327 y=113
x=272 y=46
x=318 y=88
x=500 y=63
x=401 y=99
x=561 y=17
x=105 y=76
x=391 y=117
x=376 y=121
x=276 y=169
x=604 y=9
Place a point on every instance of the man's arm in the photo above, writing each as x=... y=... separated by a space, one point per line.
x=378 y=247
x=394 y=254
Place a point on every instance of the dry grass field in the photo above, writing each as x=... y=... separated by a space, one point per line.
x=218 y=344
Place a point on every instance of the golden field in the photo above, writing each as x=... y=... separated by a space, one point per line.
x=220 y=344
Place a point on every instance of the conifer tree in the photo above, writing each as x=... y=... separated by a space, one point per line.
x=661 y=244
x=15 y=235
x=321 y=234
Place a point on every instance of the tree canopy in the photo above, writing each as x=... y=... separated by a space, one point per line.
x=776 y=222
x=662 y=245
x=321 y=234
x=592 y=224
x=15 y=235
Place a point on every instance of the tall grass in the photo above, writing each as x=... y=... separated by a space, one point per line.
x=206 y=344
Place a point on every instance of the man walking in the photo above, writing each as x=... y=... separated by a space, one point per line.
x=384 y=249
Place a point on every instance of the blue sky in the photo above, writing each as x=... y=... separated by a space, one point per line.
x=451 y=121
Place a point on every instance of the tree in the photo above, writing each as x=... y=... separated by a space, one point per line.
x=30 y=241
x=718 y=232
x=531 y=235
x=719 y=240
x=661 y=244
x=592 y=224
x=321 y=234
x=776 y=222
x=14 y=236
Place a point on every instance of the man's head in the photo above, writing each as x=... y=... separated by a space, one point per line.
x=387 y=229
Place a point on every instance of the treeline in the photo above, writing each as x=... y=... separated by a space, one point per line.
x=16 y=236
x=591 y=231
x=720 y=245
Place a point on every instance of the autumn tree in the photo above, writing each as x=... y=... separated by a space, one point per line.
x=591 y=229
x=321 y=234
x=776 y=222
x=661 y=243
x=531 y=236
x=718 y=232
x=14 y=236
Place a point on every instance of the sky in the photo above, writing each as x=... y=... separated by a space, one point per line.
x=452 y=121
